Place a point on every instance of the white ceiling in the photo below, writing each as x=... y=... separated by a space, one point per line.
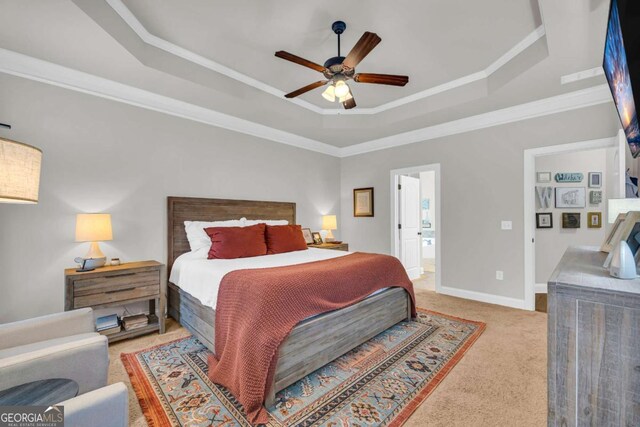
x=435 y=42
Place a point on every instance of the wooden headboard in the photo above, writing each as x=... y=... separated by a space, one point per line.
x=182 y=209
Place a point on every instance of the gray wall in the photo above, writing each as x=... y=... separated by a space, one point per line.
x=103 y=156
x=482 y=184
x=552 y=243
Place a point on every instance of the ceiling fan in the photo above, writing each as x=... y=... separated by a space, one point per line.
x=339 y=69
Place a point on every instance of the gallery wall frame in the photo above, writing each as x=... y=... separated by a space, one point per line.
x=544 y=220
x=617 y=141
x=594 y=219
x=595 y=179
x=570 y=197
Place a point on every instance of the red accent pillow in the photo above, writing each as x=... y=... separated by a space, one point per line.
x=236 y=242
x=285 y=238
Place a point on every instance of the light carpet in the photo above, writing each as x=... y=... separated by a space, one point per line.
x=379 y=383
x=501 y=381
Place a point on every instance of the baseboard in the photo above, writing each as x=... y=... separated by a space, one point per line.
x=541 y=288
x=482 y=297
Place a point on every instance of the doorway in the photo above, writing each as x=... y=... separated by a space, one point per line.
x=554 y=234
x=415 y=223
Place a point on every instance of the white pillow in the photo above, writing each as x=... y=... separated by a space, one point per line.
x=196 y=235
x=248 y=222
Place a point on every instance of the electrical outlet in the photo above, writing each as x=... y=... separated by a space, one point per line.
x=507 y=225
x=499 y=275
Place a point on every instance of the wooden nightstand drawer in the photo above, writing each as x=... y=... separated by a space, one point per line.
x=114 y=282
x=128 y=294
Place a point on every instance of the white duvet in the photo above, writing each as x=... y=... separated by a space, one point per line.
x=201 y=277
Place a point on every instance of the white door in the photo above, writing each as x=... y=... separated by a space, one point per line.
x=410 y=225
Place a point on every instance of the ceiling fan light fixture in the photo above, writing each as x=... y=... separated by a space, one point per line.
x=342 y=89
x=329 y=93
x=347 y=97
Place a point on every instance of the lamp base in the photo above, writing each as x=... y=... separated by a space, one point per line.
x=329 y=237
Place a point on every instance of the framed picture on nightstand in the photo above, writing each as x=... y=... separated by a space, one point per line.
x=308 y=237
x=317 y=238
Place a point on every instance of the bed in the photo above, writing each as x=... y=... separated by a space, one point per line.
x=313 y=342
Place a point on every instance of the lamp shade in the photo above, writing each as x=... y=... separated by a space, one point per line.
x=621 y=206
x=93 y=228
x=19 y=172
x=329 y=222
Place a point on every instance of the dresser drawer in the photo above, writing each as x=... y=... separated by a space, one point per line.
x=115 y=287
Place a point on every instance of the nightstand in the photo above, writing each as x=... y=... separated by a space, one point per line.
x=335 y=246
x=120 y=285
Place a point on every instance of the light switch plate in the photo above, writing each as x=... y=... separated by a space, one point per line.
x=507 y=225
x=499 y=275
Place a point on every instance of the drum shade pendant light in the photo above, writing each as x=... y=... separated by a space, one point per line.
x=19 y=172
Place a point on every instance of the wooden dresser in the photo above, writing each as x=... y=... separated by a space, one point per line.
x=593 y=344
x=117 y=286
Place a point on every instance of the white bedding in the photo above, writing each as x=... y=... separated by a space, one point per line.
x=201 y=277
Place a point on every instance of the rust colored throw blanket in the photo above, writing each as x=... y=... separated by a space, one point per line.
x=258 y=308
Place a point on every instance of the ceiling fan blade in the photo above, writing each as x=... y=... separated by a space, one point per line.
x=305 y=89
x=349 y=103
x=381 y=79
x=365 y=45
x=301 y=61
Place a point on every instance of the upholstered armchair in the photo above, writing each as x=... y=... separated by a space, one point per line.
x=61 y=345
x=65 y=345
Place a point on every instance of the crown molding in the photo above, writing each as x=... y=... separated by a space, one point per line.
x=46 y=72
x=132 y=21
x=582 y=75
x=27 y=67
x=557 y=104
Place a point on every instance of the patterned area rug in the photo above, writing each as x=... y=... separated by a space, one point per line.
x=379 y=383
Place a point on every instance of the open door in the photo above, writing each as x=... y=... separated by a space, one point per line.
x=410 y=225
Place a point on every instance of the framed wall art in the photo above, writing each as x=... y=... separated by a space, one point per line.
x=594 y=219
x=363 y=202
x=544 y=220
x=543 y=177
x=570 y=197
x=570 y=220
x=595 y=179
x=595 y=197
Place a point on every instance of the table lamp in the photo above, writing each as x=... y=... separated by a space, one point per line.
x=19 y=172
x=329 y=223
x=93 y=228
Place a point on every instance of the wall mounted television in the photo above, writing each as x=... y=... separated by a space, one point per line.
x=616 y=69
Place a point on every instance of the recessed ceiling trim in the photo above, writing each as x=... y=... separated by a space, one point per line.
x=581 y=75
x=556 y=104
x=31 y=68
x=130 y=19
x=27 y=67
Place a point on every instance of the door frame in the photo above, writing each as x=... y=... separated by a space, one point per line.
x=530 y=199
x=434 y=167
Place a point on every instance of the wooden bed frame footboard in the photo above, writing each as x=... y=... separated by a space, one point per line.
x=313 y=342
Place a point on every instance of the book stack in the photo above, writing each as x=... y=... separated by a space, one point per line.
x=138 y=321
x=108 y=325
